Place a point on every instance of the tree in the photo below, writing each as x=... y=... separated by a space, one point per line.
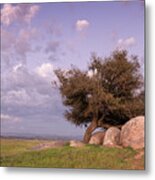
x=108 y=93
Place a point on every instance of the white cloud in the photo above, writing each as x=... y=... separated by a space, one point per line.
x=30 y=98
x=28 y=94
x=18 y=97
x=82 y=24
x=45 y=70
x=125 y=43
x=25 y=88
x=18 y=13
x=39 y=79
x=10 y=118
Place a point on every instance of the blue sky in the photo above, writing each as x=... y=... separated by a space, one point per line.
x=38 y=38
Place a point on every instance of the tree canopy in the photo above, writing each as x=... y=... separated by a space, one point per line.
x=108 y=93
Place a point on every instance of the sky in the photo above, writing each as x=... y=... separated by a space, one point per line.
x=38 y=38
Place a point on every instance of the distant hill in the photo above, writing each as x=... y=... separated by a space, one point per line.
x=36 y=136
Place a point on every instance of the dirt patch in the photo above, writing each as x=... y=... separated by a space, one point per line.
x=48 y=145
x=138 y=162
x=139 y=155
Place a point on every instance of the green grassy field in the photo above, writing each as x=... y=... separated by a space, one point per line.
x=20 y=153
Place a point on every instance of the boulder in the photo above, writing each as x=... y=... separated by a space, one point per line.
x=97 y=138
x=74 y=143
x=112 y=137
x=132 y=133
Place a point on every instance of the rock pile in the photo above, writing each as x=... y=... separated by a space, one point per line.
x=131 y=134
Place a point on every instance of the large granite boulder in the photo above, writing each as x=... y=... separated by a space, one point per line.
x=74 y=143
x=132 y=133
x=97 y=138
x=112 y=137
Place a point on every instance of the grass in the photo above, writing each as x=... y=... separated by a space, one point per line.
x=19 y=153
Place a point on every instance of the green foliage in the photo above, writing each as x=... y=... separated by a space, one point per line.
x=112 y=94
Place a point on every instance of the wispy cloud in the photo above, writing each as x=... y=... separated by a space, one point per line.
x=7 y=40
x=24 y=41
x=82 y=24
x=18 y=45
x=10 y=118
x=126 y=43
x=52 y=46
x=18 y=13
x=54 y=28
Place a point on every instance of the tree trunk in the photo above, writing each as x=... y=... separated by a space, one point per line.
x=89 y=130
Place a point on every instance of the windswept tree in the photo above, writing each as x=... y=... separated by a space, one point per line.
x=108 y=93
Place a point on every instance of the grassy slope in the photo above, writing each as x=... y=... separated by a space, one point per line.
x=19 y=153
